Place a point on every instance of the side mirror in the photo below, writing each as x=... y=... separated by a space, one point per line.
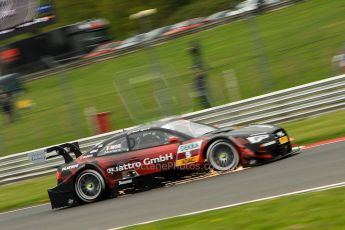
x=173 y=140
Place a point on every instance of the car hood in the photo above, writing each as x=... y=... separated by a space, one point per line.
x=246 y=130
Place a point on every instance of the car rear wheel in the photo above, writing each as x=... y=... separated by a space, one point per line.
x=222 y=156
x=89 y=186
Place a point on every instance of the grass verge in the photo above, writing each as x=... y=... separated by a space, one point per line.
x=317 y=210
x=25 y=193
x=305 y=131
x=310 y=130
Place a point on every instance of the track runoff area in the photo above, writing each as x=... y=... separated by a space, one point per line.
x=315 y=189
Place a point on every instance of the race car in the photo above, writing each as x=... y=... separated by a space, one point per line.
x=136 y=158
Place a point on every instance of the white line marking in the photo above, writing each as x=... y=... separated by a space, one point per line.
x=321 y=188
x=21 y=209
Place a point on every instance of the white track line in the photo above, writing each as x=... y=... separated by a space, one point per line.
x=21 y=209
x=321 y=188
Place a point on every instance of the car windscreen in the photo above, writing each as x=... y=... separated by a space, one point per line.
x=189 y=128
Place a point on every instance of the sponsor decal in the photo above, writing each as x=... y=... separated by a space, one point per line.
x=186 y=149
x=138 y=164
x=124 y=167
x=166 y=157
x=283 y=140
x=94 y=151
x=88 y=156
x=70 y=167
x=114 y=148
x=187 y=161
x=37 y=156
x=188 y=154
x=189 y=147
x=125 y=182
x=115 y=151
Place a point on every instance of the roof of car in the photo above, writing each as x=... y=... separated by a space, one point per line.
x=155 y=124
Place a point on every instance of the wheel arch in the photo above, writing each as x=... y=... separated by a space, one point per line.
x=217 y=138
x=228 y=139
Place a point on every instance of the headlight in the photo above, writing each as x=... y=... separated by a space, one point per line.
x=258 y=138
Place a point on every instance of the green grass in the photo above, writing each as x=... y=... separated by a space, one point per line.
x=306 y=131
x=318 y=128
x=25 y=193
x=299 y=42
x=317 y=210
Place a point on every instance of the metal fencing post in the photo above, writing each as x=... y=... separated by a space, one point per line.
x=67 y=94
x=70 y=102
x=232 y=85
x=154 y=61
x=259 y=51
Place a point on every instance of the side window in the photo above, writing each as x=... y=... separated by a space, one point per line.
x=148 y=139
x=118 y=145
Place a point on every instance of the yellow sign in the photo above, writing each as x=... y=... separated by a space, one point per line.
x=187 y=161
x=283 y=140
x=24 y=104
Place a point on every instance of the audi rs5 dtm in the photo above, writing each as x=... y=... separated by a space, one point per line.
x=137 y=159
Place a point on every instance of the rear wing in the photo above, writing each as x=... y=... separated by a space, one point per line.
x=63 y=150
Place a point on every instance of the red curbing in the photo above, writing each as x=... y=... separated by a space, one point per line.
x=326 y=142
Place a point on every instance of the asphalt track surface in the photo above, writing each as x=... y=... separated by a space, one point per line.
x=314 y=167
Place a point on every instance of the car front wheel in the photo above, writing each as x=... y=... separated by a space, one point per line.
x=222 y=156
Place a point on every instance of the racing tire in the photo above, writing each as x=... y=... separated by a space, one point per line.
x=222 y=156
x=89 y=186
